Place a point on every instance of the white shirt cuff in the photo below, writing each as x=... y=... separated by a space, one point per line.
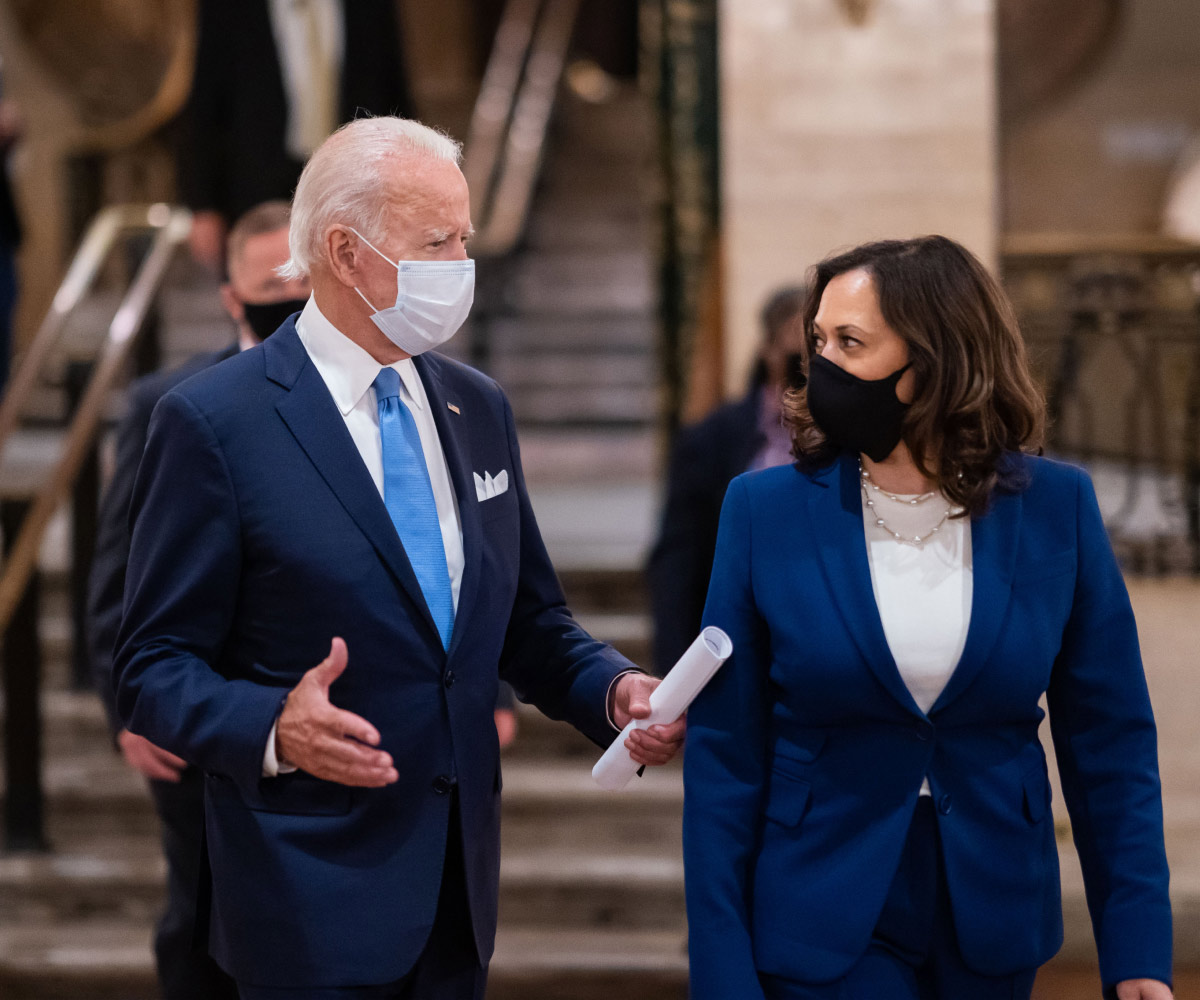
x=608 y=698
x=272 y=767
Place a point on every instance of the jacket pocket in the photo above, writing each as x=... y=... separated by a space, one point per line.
x=801 y=748
x=297 y=794
x=787 y=798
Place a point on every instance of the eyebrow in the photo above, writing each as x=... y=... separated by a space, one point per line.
x=840 y=328
x=441 y=235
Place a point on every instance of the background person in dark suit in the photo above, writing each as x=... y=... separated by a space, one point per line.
x=334 y=560
x=744 y=434
x=273 y=78
x=867 y=805
x=257 y=300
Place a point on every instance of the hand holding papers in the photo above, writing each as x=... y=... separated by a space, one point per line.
x=667 y=703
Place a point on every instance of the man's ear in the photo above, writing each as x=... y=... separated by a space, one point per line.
x=342 y=248
x=232 y=304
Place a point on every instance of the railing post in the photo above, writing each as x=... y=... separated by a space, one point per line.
x=85 y=524
x=24 y=828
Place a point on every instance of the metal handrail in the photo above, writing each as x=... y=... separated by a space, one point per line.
x=170 y=227
x=507 y=136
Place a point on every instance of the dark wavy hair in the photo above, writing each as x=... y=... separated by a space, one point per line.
x=975 y=398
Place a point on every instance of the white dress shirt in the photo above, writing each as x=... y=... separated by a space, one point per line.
x=348 y=372
x=923 y=591
x=309 y=94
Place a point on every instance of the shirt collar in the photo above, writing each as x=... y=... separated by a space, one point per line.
x=347 y=369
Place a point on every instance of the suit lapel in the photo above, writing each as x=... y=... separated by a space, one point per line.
x=837 y=518
x=452 y=431
x=314 y=420
x=993 y=559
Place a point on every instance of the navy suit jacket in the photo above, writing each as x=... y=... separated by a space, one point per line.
x=258 y=536
x=806 y=753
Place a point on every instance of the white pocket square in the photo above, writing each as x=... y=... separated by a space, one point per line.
x=487 y=487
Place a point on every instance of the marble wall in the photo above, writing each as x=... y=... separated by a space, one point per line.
x=835 y=132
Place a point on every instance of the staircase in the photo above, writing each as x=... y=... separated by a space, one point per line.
x=569 y=317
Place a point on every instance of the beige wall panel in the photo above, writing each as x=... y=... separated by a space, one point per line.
x=833 y=134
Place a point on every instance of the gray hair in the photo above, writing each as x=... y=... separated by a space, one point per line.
x=343 y=182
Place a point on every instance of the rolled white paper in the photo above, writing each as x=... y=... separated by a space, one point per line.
x=668 y=702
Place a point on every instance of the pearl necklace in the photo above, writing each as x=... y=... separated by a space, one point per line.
x=865 y=480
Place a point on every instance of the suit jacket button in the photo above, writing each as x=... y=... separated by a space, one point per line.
x=945 y=804
x=924 y=730
x=442 y=784
x=449 y=679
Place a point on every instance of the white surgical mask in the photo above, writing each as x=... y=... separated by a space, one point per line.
x=433 y=298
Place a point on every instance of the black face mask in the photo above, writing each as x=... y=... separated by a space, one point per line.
x=264 y=318
x=858 y=415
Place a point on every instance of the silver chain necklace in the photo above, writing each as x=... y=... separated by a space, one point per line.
x=865 y=480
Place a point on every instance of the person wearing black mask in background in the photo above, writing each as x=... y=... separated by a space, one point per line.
x=740 y=436
x=258 y=301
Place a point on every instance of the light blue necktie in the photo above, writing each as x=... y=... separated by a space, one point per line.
x=408 y=496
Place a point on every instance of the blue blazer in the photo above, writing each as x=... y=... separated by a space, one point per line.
x=258 y=535
x=806 y=753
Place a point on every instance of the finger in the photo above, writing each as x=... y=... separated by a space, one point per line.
x=330 y=668
x=153 y=768
x=647 y=739
x=167 y=759
x=641 y=756
x=351 y=753
x=674 y=733
x=342 y=723
x=358 y=776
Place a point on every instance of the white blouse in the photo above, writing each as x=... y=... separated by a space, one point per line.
x=922 y=589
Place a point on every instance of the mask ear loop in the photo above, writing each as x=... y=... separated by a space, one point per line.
x=374 y=247
x=377 y=250
x=365 y=299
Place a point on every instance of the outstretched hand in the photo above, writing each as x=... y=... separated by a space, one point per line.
x=328 y=742
x=631 y=700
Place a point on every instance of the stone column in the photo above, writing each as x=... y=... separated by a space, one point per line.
x=844 y=121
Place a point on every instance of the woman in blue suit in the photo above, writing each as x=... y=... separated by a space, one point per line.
x=867 y=807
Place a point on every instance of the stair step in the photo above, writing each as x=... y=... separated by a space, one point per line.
x=124 y=878
x=582 y=282
x=569 y=888
x=601 y=331
x=557 y=406
x=97 y=794
x=579 y=369
x=107 y=960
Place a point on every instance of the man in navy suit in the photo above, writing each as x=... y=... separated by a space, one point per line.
x=253 y=293
x=334 y=561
